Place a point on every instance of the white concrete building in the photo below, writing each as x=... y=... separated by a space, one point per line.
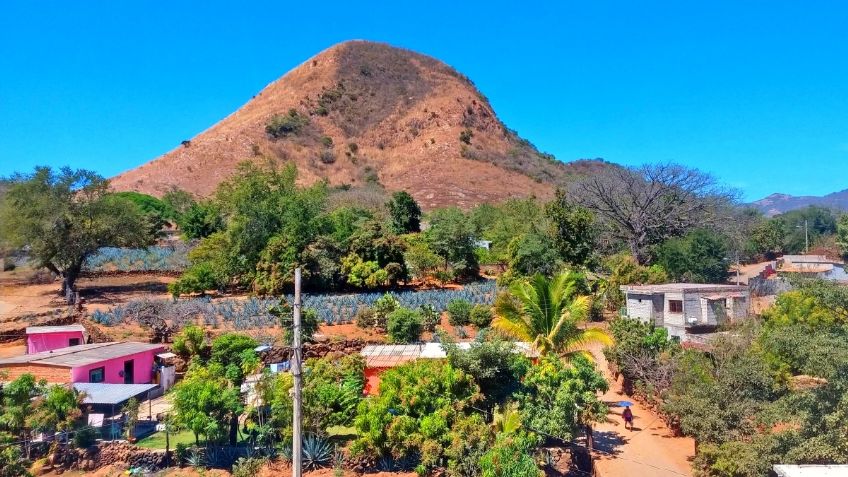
x=685 y=307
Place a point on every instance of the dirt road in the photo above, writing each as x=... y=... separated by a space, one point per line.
x=648 y=450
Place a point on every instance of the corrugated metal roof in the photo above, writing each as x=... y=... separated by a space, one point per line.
x=82 y=355
x=683 y=287
x=53 y=329
x=102 y=393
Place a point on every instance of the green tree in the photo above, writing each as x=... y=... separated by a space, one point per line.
x=451 y=237
x=548 y=313
x=404 y=326
x=531 y=253
x=204 y=402
x=699 y=257
x=332 y=391
x=157 y=212
x=56 y=410
x=842 y=234
x=769 y=237
x=572 y=228
x=200 y=220
x=497 y=366
x=404 y=212
x=17 y=399
x=309 y=322
x=190 y=342
x=65 y=216
x=233 y=356
x=415 y=409
x=562 y=398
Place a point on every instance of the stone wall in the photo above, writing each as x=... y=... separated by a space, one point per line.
x=108 y=453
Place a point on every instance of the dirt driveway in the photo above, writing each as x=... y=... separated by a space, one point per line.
x=648 y=450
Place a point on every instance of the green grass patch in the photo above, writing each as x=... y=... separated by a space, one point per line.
x=157 y=440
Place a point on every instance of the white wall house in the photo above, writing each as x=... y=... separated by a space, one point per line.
x=684 y=307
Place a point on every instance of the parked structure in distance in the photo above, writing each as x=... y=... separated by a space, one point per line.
x=686 y=308
x=815 y=266
x=48 y=338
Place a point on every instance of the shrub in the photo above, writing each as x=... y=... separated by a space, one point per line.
x=248 y=466
x=430 y=318
x=197 y=279
x=327 y=157
x=85 y=437
x=327 y=141
x=459 y=312
x=181 y=452
x=480 y=316
x=470 y=438
x=511 y=456
x=189 y=342
x=332 y=391
x=413 y=413
x=466 y=135
x=282 y=125
x=382 y=307
x=365 y=317
x=404 y=326
x=353 y=147
x=8 y=265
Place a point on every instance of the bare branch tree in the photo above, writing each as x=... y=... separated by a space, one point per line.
x=646 y=205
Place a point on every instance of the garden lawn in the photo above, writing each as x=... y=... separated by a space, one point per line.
x=157 y=440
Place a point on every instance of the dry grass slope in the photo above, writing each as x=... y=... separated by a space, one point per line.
x=375 y=112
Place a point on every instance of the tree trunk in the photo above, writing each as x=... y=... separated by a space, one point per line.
x=69 y=280
x=233 y=430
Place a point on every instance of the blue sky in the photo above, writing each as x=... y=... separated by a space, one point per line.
x=754 y=92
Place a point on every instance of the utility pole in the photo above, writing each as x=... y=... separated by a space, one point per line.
x=297 y=438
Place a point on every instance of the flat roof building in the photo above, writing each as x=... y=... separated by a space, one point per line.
x=684 y=308
x=47 y=338
x=124 y=362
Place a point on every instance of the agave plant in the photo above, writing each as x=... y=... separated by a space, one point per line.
x=317 y=452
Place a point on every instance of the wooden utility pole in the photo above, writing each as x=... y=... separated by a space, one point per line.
x=296 y=367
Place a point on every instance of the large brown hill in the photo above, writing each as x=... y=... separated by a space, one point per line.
x=369 y=112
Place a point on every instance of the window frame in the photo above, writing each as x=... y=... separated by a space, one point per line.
x=102 y=370
x=671 y=306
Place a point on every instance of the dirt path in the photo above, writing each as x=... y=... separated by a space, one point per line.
x=648 y=450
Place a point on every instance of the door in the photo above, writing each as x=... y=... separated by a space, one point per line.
x=129 y=369
x=73 y=342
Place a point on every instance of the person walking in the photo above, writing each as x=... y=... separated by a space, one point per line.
x=628 y=418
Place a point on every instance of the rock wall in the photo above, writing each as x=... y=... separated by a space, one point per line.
x=278 y=354
x=108 y=453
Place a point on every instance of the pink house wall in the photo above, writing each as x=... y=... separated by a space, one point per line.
x=38 y=342
x=142 y=371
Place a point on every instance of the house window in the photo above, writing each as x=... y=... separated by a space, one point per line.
x=97 y=375
x=73 y=342
x=675 y=306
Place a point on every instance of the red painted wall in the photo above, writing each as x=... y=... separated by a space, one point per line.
x=38 y=342
x=142 y=373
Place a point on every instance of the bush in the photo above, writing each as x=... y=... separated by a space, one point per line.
x=413 y=413
x=197 y=279
x=85 y=437
x=430 y=318
x=248 y=466
x=327 y=157
x=404 y=326
x=466 y=135
x=365 y=317
x=181 y=452
x=481 y=316
x=459 y=312
x=327 y=141
x=511 y=456
x=282 y=125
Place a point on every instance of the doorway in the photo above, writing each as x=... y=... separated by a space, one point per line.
x=129 y=370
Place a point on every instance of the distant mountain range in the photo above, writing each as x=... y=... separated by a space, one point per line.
x=780 y=203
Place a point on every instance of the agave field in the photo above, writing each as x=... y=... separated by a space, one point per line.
x=252 y=312
x=171 y=258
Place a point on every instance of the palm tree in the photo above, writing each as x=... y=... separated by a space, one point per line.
x=548 y=313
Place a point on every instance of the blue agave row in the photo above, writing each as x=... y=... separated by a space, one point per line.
x=252 y=312
x=151 y=259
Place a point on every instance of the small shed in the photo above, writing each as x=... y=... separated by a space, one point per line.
x=123 y=362
x=48 y=338
x=106 y=398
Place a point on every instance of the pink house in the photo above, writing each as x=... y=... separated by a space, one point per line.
x=47 y=338
x=125 y=362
